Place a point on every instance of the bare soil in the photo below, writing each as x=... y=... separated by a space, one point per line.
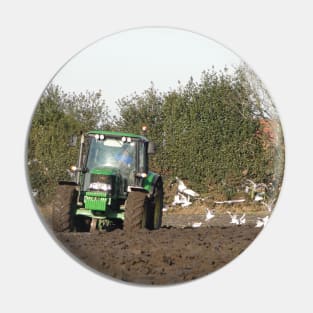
x=173 y=254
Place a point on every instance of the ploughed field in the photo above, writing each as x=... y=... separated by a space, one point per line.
x=175 y=253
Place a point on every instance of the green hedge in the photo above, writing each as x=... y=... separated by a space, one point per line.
x=208 y=132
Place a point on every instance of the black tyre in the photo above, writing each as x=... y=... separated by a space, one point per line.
x=135 y=211
x=81 y=223
x=154 y=216
x=63 y=207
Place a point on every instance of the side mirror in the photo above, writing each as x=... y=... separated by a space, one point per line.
x=151 y=147
x=73 y=141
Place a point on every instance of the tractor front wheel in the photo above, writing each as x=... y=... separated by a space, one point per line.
x=135 y=211
x=154 y=217
x=63 y=207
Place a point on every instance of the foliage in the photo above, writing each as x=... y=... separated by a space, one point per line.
x=211 y=132
x=57 y=117
x=138 y=110
x=208 y=132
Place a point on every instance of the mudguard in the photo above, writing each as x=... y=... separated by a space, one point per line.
x=150 y=181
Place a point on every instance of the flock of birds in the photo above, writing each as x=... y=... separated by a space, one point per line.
x=184 y=194
x=234 y=219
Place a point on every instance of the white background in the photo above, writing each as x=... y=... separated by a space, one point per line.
x=274 y=38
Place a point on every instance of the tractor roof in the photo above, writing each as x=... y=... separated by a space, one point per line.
x=116 y=134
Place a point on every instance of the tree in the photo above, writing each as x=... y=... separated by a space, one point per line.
x=138 y=110
x=57 y=117
x=207 y=131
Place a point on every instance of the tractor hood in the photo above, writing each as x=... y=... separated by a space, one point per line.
x=103 y=179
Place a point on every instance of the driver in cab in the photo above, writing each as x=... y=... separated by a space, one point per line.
x=125 y=157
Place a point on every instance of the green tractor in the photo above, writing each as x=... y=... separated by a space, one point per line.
x=113 y=186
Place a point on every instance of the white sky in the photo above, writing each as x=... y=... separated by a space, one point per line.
x=128 y=61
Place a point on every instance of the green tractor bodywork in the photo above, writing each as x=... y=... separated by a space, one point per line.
x=111 y=167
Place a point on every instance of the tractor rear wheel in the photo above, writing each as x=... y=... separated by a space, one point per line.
x=135 y=211
x=154 y=217
x=63 y=207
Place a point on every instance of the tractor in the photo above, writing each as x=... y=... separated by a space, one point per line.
x=113 y=186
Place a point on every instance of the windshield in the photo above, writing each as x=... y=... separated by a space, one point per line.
x=111 y=152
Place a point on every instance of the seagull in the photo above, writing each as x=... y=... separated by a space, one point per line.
x=242 y=219
x=265 y=220
x=237 y=220
x=255 y=185
x=176 y=199
x=181 y=199
x=183 y=189
x=234 y=218
x=165 y=208
x=256 y=193
x=259 y=223
x=185 y=204
x=262 y=221
x=196 y=224
x=259 y=196
x=209 y=215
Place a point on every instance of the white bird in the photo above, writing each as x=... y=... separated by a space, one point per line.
x=196 y=224
x=257 y=190
x=183 y=189
x=255 y=186
x=262 y=221
x=209 y=215
x=259 y=196
x=176 y=200
x=259 y=223
x=185 y=204
x=234 y=218
x=181 y=199
x=165 y=208
x=265 y=220
x=237 y=220
x=242 y=219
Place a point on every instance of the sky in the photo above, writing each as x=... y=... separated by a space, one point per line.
x=128 y=61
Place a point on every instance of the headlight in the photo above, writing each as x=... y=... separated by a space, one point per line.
x=100 y=186
x=142 y=175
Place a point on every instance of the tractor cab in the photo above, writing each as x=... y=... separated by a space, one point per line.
x=122 y=156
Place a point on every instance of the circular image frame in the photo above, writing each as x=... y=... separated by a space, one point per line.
x=207 y=190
